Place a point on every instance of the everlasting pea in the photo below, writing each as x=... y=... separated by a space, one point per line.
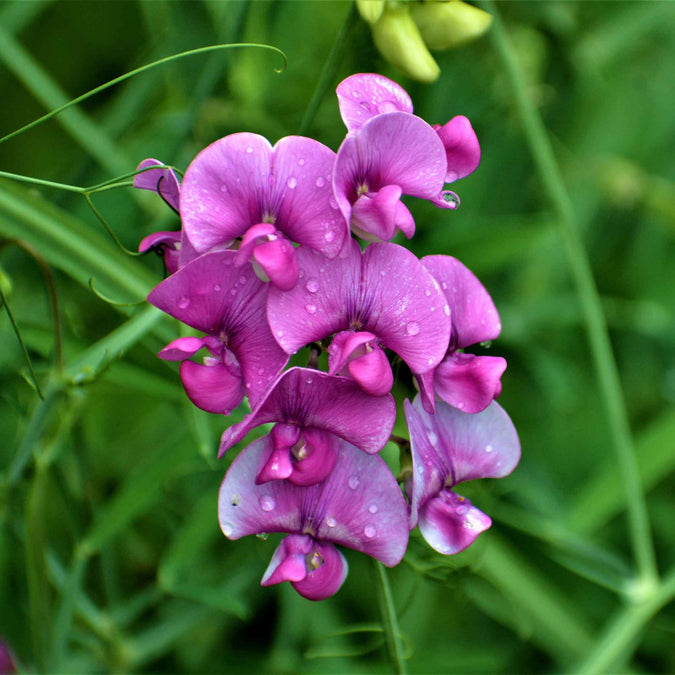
x=449 y=448
x=359 y=505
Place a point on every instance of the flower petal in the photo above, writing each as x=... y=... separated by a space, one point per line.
x=469 y=382
x=288 y=561
x=277 y=258
x=450 y=523
x=365 y=95
x=181 y=349
x=373 y=372
x=479 y=445
x=374 y=214
x=329 y=575
x=461 y=148
x=359 y=505
x=161 y=181
x=310 y=398
x=474 y=315
x=216 y=389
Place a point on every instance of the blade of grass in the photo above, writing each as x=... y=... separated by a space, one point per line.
x=385 y=600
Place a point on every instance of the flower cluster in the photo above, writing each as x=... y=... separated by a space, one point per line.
x=265 y=264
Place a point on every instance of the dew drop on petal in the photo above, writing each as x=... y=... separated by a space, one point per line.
x=309 y=380
x=280 y=333
x=369 y=531
x=329 y=236
x=249 y=150
x=433 y=439
x=427 y=292
x=460 y=405
x=320 y=182
x=353 y=482
x=446 y=310
x=444 y=285
x=430 y=362
x=412 y=328
x=217 y=287
x=242 y=280
x=310 y=309
x=184 y=303
x=333 y=204
x=267 y=503
x=373 y=508
x=312 y=285
x=488 y=448
x=228 y=529
x=331 y=522
x=261 y=371
x=292 y=182
x=301 y=162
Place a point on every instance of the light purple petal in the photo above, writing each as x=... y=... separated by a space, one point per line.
x=214 y=388
x=365 y=95
x=450 y=523
x=374 y=215
x=310 y=398
x=393 y=149
x=461 y=147
x=403 y=306
x=214 y=296
x=425 y=383
x=181 y=349
x=474 y=315
x=359 y=505
x=160 y=239
x=469 y=382
x=161 y=181
x=479 y=445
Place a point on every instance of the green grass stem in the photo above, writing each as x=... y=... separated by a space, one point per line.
x=385 y=601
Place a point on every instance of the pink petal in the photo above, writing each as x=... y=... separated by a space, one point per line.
x=216 y=389
x=365 y=95
x=425 y=383
x=469 y=382
x=161 y=181
x=275 y=463
x=359 y=505
x=252 y=237
x=474 y=315
x=322 y=448
x=214 y=296
x=277 y=258
x=309 y=398
x=288 y=561
x=181 y=349
x=167 y=244
x=461 y=147
x=373 y=372
x=343 y=346
x=374 y=214
x=329 y=575
x=450 y=523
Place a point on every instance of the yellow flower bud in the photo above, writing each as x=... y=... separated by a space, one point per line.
x=399 y=41
x=446 y=25
x=370 y=10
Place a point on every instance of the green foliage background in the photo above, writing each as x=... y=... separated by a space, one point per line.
x=111 y=558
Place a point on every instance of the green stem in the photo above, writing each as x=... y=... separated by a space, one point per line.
x=596 y=326
x=622 y=631
x=389 y=620
x=136 y=71
x=330 y=68
x=39 y=181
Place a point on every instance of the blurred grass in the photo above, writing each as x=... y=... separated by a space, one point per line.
x=110 y=552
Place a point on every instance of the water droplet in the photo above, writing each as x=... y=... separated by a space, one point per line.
x=249 y=150
x=217 y=287
x=373 y=508
x=309 y=380
x=460 y=405
x=292 y=182
x=267 y=503
x=428 y=292
x=488 y=448
x=433 y=439
x=310 y=309
x=263 y=536
x=444 y=285
x=242 y=279
x=312 y=285
x=412 y=328
x=461 y=510
x=430 y=362
x=261 y=371
x=233 y=291
x=320 y=181
x=228 y=529
x=301 y=162
x=331 y=522
x=333 y=204
x=446 y=310
x=280 y=333
x=184 y=303
x=383 y=273
x=369 y=531
x=353 y=482
x=420 y=469
x=235 y=499
x=329 y=236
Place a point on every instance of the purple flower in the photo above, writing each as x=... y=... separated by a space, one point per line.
x=464 y=381
x=366 y=95
x=228 y=304
x=359 y=506
x=242 y=187
x=449 y=448
x=384 y=297
x=162 y=181
x=311 y=410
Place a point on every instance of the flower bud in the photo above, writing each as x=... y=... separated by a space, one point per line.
x=399 y=41
x=446 y=25
x=370 y=10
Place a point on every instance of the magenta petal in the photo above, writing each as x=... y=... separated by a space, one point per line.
x=404 y=306
x=288 y=561
x=343 y=345
x=162 y=239
x=373 y=372
x=374 y=214
x=469 y=382
x=366 y=95
x=359 y=505
x=322 y=448
x=479 y=445
x=403 y=220
x=275 y=463
x=277 y=258
x=461 y=147
x=328 y=571
x=450 y=523
x=181 y=349
x=216 y=389
x=251 y=238
x=310 y=398
x=161 y=181
x=474 y=315
x=425 y=382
